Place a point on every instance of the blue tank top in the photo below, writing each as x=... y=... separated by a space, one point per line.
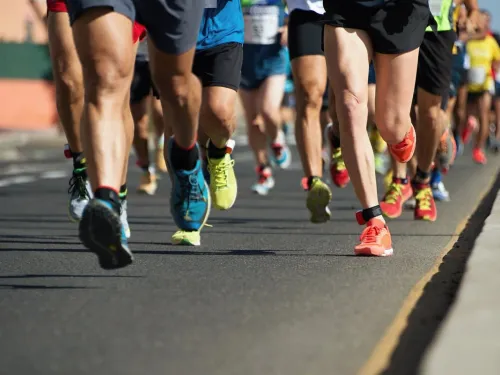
x=222 y=23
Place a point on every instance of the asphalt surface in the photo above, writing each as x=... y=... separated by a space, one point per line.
x=266 y=293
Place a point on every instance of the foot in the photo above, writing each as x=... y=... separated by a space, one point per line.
x=265 y=181
x=375 y=240
x=148 y=184
x=223 y=184
x=394 y=199
x=186 y=238
x=478 y=156
x=425 y=206
x=338 y=170
x=124 y=218
x=318 y=199
x=102 y=232
x=282 y=156
x=80 y=193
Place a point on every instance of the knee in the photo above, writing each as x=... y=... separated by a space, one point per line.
x=222 y=114
x=392 y=125
x=69 y=82
x=309 y=97
x=270 y=113
x=108 y=77
x=354 y=108
x=175 y=88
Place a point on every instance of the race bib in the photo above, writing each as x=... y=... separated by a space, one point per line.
x=262 y=24
x=210 y=3
x=477 y=76
x=435 y=7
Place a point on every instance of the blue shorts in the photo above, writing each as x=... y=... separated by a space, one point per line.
x=497 y=89
x=371 y=75
x=458 y=79
x=261 y=62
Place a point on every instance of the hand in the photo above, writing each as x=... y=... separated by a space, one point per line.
x=284 y=35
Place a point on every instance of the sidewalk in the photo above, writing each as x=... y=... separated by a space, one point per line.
x=19 y=145
x=469 y=339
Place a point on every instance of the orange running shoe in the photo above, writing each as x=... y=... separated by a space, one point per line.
x=375 y=240
x=425 y=206
x=403 y=151
x=338 y=170
x=395 y=197
x=478 y=156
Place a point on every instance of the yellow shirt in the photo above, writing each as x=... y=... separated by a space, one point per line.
x=482 y=54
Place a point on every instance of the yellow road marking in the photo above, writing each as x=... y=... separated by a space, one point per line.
x=380 y=357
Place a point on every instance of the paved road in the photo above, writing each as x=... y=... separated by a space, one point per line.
x=266 y=293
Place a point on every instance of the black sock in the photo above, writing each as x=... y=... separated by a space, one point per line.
x=309 y=181
x=335 y=141
x=422 y=177
x=109 y=195
x=403 y=181
x=214 y=152
x=123 y=192
x=79 y=161
x=145 y=168
x=184 y=159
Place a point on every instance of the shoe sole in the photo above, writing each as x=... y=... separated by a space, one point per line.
x=185 y=242
x=100 y=232
x=367 y=252
x=317 y=204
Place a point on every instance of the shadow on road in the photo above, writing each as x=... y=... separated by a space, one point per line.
x=439 y=295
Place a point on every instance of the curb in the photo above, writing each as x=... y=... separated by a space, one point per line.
x=467 y=342
x=14 y=139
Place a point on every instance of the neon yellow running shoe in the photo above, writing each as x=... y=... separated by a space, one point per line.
x=182 y=237
x=223 y=184
x=318 y=198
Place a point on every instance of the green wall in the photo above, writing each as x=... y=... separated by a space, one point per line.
x=25 y=61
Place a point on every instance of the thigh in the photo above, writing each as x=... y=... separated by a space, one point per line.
x=270 y=93
x=219 y=66
x=173 y=25
x=395 y=84
x=249 y=103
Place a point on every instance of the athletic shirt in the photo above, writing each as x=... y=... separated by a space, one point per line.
x=263 y=19
x=314 y=5
x=142 y=51
x=442 y=11
x=482 y=54
x=222 y=23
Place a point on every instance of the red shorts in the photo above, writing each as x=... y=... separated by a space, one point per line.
x=59 y=6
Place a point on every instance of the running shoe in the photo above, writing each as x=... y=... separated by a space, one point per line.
x=148 y=184
x=439 y=192
x=189 y=197
x=375 y=240
x=378 y=144
x=102 y=232
x=425 y=206
x=318 y=198
x=124 y=218
x=265 y=181
x=446 y=151
x=470 y=126
x=478 y=156
x=186 y=238
x=281 y=154
x=206 y=173
x=394 y=199
x=338 y=170
x=161 y=165
x=223 y=184
x=404 y=150
x=79 y=192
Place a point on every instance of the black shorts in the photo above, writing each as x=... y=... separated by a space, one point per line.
x=173 y=25
x=394 y=26
x=305 y=32
x=219 y=65
x=435 y=62
x=473 y=97
x=142 y=84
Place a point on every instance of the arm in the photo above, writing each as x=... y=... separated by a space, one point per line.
x=472 y=11
x=39 y=10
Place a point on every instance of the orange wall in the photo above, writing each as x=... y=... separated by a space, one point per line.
x=27 y=105
x=13 y=17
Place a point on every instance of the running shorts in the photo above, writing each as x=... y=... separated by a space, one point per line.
x=59 y=6
x=261 y=62
x=305 y=32
x=435 y=62
x=173 y=25
x=219 y=65
x=394 y=26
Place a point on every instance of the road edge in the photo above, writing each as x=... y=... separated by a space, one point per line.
x=380 y=357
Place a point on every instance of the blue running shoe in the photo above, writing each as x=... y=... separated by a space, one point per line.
x=101 y=232
x=189 y=197
x=206 y=173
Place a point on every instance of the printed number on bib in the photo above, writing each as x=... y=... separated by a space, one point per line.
x=210 y=3
x=435 y=7
x=261 y=25
x=477 y=76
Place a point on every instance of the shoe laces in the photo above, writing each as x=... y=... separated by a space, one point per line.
x=338 y=160
x=220 y=173
x=78 y=185
x=423 y=198
x=394 y=192
x=370 y=234
x=189 y=189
